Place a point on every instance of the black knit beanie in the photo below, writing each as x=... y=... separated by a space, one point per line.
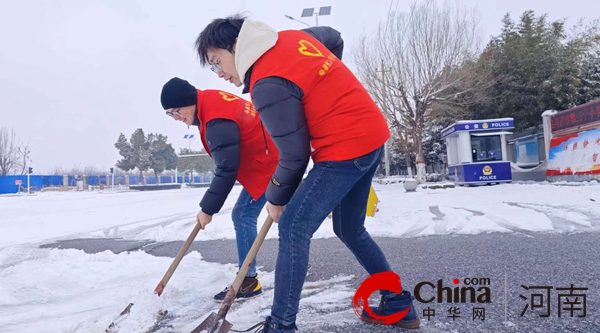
x=178 y=93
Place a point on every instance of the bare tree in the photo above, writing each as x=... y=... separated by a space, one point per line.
x=428 y=57
x=406 y=144
x=24 y=150
x=13 y=154
x=77 y=170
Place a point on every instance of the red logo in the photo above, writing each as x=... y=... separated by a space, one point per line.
x=380 y=281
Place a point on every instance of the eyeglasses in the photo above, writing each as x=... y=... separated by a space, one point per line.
x=216 y=68
x=174 y=112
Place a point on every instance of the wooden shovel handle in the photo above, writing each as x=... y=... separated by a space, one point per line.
x=233 y=290
x=163 y=283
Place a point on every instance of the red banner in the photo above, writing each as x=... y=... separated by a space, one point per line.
x=576 y=117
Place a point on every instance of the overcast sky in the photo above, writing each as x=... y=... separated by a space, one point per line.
x=76 y=73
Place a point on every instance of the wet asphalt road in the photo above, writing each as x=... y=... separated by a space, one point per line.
x=555 y=260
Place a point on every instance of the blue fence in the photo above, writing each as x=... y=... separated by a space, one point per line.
x=8 y=184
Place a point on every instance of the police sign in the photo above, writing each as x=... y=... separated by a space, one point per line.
x=479 y=125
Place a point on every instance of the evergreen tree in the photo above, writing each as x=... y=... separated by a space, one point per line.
x=141 y=152
x=125 y=150
x=162 y=154
x=538 y=66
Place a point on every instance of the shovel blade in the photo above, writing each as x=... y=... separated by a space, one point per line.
x=211 y=325
x=225 y=327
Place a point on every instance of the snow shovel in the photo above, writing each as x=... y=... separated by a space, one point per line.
x=216 y=322
x=162 y=284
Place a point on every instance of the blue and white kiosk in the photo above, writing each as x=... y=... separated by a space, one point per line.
x=476 y=151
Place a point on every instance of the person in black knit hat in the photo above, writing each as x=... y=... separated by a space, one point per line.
x=178 y=93
x=233 y=135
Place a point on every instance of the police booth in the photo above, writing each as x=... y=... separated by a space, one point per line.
x=476 y=151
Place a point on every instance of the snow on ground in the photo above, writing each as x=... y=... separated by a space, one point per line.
x=50 y=290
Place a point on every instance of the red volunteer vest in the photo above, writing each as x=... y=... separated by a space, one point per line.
x=343 y=120
x=258 y=154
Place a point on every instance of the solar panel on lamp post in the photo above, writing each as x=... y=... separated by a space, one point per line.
x=306 y=12
x=189 y=137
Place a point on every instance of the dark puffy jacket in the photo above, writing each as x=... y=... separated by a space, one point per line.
x=223 y=137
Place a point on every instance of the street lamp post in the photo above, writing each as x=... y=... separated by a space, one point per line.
x=189 y=137
x=30 y=171
x=112 y=174
x=291 y=18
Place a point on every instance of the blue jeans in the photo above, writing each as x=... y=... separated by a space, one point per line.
x=245 y=215
x=342 y=188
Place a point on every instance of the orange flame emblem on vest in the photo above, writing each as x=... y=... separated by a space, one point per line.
x=227 y=96
x=306 y=47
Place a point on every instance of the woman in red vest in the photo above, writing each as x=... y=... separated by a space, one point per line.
x=233 y=135
x=313 y=107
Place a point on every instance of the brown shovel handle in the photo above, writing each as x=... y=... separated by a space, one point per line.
x=232 y=292
x=163 y=283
